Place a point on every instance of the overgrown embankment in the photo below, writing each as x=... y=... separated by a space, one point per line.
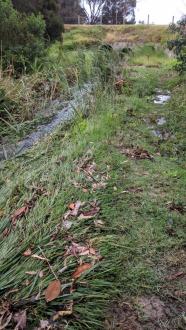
x=95 y=213
x=28 y=98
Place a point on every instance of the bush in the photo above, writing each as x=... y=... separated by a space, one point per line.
x=22 y=37
x=50 y=9
x=179 y=44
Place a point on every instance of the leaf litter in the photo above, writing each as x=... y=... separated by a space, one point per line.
x=89 y=168
x=26 y=208
x=135 y=152
x=77 y=250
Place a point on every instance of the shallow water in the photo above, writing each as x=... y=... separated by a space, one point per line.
x=162 y=98
x=161 y=121
x=64 y=115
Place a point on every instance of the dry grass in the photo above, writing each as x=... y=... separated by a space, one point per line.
x=126 y=33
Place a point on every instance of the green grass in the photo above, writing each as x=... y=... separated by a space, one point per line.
x=135 y=241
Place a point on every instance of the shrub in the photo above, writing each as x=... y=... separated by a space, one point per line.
x=178 y=45
x=22 y=37
x=50 y=9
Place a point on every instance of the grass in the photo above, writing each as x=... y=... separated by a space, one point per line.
x=138 y=232
x=82 y=35
x=29 y=97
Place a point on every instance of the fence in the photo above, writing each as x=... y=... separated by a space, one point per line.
x=114 y=20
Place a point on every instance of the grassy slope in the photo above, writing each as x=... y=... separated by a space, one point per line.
x=141 y=241
x=85 y=35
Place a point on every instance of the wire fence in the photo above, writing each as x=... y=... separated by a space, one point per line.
x=113 y=20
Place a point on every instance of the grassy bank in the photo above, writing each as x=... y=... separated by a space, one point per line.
x=25 y=100
x=87 y=34
x=128 y=228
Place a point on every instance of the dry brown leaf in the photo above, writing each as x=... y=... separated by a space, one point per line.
x=89 y=214
x=19 y=213
x=21 y=320
x=71 y=206
x=27 y=253
x=73 y=210
x=53 y=290
x=80 y=270
x=135 y=153
x=80 y=250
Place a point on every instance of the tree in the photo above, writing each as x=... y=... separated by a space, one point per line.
x=119 y=11
x=51 y=11
x=94 y=10
x=70 y=9
x=178 y=45
x=22 y=37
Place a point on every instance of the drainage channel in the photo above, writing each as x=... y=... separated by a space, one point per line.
x=66 y=114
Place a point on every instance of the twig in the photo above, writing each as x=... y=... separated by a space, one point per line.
x=50 y=267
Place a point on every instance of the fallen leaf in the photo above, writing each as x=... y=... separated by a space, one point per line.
x=136 y=153
x=89 y=214
x=80 y=270
x=27 y=253
x=19 y=213
x=53 y=290
x=75 y=210
x=80 y=250
x=21 y=320
x=175 y=276
x=35 y=256
x=72 y=206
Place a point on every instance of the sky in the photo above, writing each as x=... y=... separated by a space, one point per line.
x=160 y=11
